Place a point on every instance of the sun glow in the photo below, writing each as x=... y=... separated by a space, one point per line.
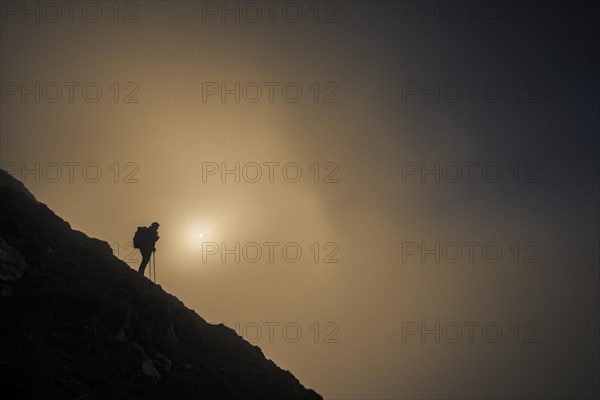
x=197 y=232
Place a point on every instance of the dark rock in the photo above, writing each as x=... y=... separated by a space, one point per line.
x=120 y=336
x=12 y=263
x=8 y=180
x=150 y=371
x=81 y=324
x=5 y=290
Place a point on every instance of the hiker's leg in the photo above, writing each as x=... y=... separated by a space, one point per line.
x=145 y=258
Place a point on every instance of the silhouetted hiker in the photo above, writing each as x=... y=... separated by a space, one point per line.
x=145 y=239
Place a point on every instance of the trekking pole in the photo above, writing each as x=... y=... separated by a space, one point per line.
x=149 y=269
x=154 y=262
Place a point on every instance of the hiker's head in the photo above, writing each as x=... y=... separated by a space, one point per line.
x=155 y=225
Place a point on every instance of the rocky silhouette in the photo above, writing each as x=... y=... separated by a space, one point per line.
x=78 y=323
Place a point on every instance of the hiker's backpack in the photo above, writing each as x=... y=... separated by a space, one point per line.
x=140 y=238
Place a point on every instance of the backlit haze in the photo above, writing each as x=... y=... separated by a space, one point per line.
x=366 y=129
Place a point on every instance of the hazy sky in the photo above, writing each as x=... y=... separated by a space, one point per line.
x=400 y=116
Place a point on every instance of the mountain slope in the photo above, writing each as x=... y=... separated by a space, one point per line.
x=78 y=323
